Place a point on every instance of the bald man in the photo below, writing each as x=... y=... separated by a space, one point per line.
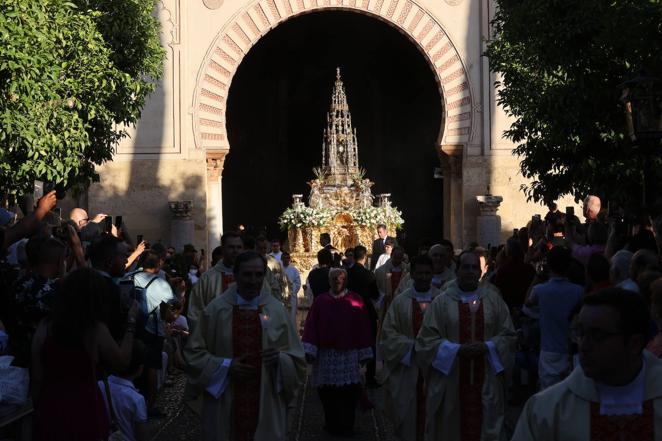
x=592 y=207
x=80 y=218
x=88 y=229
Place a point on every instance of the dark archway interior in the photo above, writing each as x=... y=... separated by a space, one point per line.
x=277 y=109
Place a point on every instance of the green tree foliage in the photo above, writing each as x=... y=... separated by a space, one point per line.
x=560 y=64
x=70 y=73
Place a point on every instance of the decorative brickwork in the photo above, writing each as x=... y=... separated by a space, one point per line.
x=459 y=117
x=245 y=27
x=225 y=56
x=457 y=89
x=404 y=13
x=263 y=16
x=251 y=24
x=425 y=31
x=209 y=79
x=391 y=8
x=212 y=95
x=242 y=35
x=415 y=21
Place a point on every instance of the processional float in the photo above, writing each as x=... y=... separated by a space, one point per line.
x=341 y=202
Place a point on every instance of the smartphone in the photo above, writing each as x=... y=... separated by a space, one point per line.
x=108 y=227
x=569 y=211
x=118 y=222
x=38 y=190
x=139 y=239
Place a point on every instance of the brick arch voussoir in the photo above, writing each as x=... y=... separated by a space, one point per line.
x=252 y=22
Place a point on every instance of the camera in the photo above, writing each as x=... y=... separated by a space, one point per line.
x=41 y=188
x=108 y=224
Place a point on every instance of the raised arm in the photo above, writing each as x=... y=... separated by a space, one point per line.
x=29 y=223
x=114 y=357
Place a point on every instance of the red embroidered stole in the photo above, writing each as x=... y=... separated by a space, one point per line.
x=471 y=389
x=246 y=340
x=417 y=321
x=226 y=280
x=623 y=427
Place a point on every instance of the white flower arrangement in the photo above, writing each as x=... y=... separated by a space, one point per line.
x=372 y=216
x=301 y=216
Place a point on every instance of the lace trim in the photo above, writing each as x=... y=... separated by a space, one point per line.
x=309 y=348
x=337 y=368
x=365 y=353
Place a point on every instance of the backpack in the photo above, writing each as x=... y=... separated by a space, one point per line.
x=139 y=294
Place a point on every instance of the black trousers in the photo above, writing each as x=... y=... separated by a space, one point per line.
x=339 y=404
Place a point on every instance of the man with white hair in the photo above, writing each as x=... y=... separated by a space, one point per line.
x=592 y=207
x=619 y=273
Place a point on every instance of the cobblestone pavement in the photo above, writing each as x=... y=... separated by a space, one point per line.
x=306 y=418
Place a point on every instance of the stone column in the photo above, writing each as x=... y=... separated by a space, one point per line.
x=488 y=223
x=215 y=161
x=450 y=157
x=181 y=226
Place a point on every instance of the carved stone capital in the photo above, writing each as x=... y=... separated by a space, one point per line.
x=488 y=204
x=181 y=209
x=215 y=162
x=450 y=156
x=450 y=149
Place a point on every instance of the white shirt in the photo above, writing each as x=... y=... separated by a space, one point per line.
x=293 y=275
x=383 y=258
x=277 y=255
x=623 y=400
x=128 y=404
x=251 y=304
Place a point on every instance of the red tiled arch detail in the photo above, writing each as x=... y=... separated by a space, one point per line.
x=250 y=23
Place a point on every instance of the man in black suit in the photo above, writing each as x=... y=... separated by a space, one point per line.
x=378 y=245
x=325 y=241
x=318 y=279
x=362 y=281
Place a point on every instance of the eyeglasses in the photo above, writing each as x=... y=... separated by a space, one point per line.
x=593 y=334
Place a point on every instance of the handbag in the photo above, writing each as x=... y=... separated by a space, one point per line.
x=115 y=431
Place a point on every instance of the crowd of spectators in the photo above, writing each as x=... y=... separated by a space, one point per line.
x=94 y=317
x=548 y=267
x=99 y=320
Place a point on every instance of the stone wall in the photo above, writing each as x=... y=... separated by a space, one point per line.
x=139 y=190
x=501 y=173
